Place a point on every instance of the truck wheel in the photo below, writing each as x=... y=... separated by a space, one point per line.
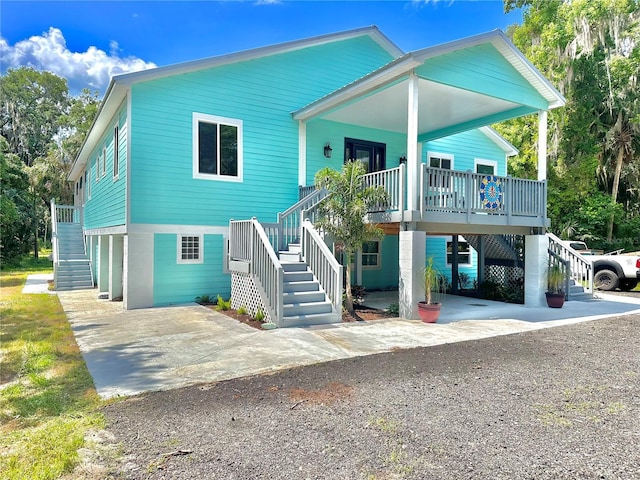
x=605 y=280
x=628 y=285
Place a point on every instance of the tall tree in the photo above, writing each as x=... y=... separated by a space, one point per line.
x=32 y=104
x=342 y=213
x=591 y=50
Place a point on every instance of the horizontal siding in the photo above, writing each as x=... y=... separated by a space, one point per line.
x=319 y=132
x=483 y=69
x=106 y=207
x=466 y=147
x=175 y=283
x=437 y=248
x=387 y=275
x=262 y=93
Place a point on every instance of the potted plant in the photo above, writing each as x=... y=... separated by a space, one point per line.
x=555 y=282
x=434 y=287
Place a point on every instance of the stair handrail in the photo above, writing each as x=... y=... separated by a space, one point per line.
x=54 y=243
x=580 y=267
x=321 y=261
x=290 y=221
x=249 y=242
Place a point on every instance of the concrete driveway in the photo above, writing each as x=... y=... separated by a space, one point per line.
x=130 y=352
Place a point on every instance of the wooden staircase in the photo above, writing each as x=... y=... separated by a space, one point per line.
x=72 y=271
x=304 y=301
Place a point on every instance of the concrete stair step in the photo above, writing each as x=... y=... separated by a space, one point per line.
x=292 y=310
x=286 y=256
x=298 y=277
x=309 y=320
x=294 y=266
x=297 y=298
x=302 y=286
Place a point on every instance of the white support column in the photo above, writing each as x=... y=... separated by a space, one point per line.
x=413 y=158
x=411 y=286
x=535 y=271
x=138 y=270
x=302 y=153
x=103 y=263
x=542 y=145
x=116 y=248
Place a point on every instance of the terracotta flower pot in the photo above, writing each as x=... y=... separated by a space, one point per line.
x=429 y=312
x=555 y=300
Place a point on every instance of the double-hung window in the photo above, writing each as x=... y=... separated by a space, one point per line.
x=116 y=152
x=464 y=252
x=371 y=254
x=217 y=148
x=439 y=160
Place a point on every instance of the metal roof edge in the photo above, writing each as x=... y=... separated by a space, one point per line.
x=499 y=140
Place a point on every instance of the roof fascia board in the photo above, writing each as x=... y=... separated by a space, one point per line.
x=500 y=141
x=111 y=102
x=382 y=77
x=260 y=52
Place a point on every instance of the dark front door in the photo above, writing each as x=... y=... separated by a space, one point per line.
x=372 y=154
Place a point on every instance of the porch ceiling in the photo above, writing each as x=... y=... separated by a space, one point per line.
x=440 y=107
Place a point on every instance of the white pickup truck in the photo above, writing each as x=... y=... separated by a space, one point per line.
x=610 y=270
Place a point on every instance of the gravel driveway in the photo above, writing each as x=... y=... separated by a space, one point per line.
x=559 y=403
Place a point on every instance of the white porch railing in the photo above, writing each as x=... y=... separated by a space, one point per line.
x=322 y=263
x=249 y=243
x=453 y=191
x=290 y=221
x=392 y=181
x=580 y=267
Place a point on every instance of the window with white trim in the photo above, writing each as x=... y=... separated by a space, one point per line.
x=439 y=160
x=485 y=167
x=464 y=252
x=217 y=148
x=371 y=254
x=190 y=249
x=89 y=167
x=104 y=160
x=116 y=151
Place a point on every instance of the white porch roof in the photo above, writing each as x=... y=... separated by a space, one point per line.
x=443 y=108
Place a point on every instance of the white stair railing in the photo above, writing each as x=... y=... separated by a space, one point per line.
x=322 y=263
x=290 y=221
x=249 y=243
x=581 y=268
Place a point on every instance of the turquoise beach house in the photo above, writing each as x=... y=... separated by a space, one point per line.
x=197 y=178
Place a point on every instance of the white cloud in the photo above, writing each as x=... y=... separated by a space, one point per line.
x=91 y=69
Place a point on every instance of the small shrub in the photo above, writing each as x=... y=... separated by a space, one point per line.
x=205 y=299
x=242 y=310
x=223 y=304
x=259 y=316
x=394 y=309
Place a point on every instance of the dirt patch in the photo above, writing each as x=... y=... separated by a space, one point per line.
x=244 y=318
x=330 y=394
x=363 y=313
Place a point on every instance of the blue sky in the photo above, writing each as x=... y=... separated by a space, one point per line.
x=88 y=41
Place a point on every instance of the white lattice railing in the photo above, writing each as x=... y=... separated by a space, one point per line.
x=249 y=244
x=322 y=263
x=461 y=192
x=580 y=267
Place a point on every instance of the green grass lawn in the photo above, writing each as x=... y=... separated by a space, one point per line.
x=47 y=397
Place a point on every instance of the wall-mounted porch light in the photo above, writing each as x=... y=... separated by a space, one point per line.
x=327 y=150
x=403 y=159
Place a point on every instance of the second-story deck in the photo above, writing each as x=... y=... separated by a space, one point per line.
x=452 y=201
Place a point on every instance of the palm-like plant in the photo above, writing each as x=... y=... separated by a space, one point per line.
x=341 y=215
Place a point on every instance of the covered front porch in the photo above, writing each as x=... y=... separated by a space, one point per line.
x=424 y=96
